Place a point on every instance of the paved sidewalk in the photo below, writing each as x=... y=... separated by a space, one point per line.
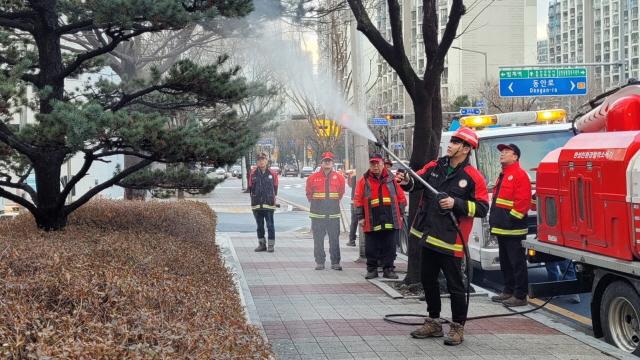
x=309 y=314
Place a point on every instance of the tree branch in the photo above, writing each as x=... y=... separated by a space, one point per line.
x=18 y=200
x=400 y=63
x=24 y=187
x=12 y=20
x=7 y=137
x=80 y=59
x=127 y=98
x=124 y=152
x=94 y=191
x=457 y=10
x=75 y=27
x=88 y=160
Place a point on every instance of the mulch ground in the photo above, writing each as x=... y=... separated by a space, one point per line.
x=123 y=280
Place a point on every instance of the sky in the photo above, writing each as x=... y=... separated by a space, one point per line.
x=543 y=7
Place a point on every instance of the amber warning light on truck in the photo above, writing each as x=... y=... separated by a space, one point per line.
x=515 y=118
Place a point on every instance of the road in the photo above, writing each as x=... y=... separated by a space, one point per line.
x=293 y=216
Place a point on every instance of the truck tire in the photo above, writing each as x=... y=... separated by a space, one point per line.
x=620 y=316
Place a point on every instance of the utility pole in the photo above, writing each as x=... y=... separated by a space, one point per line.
x=360 y=144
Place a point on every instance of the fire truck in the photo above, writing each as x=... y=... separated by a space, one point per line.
x=536 y=133
x=588 y=211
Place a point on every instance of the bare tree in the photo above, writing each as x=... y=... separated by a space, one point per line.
x=423 y=89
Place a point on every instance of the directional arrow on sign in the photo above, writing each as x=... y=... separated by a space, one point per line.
x=573 y=85
x=510 y=87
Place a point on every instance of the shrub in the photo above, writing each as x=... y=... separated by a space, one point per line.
x=123 y=280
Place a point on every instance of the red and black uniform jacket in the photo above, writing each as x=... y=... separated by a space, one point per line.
x=379 y=201
x=324 y=193
x=511 y=202
x=263 y=187
x=466 y=186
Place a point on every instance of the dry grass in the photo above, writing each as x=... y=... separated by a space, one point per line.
x=124 y=280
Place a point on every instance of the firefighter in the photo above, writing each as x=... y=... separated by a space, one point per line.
x=380 y=204
x=463 y=191
x=324 y=190
x=353 y=226
x=507 y=221
x=263 y=188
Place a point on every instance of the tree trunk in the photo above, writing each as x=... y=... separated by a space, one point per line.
x=50 y=207
x=426 y=139
x=51 y=220
x=133 y=194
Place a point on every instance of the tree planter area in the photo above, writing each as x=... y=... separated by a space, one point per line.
x=122 y=280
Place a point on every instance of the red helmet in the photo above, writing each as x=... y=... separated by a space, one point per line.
x=327 y=155
x=467 y=135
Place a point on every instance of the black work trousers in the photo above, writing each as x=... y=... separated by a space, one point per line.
x=353 y=228
x=513 y=265
x=432 y=263
x=263 y=216
x=380 y=246
x=320 y=228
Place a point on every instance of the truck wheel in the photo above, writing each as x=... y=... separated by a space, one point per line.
x=620 y=316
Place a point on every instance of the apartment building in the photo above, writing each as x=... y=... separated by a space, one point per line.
x=596 y=31
x=491 y=34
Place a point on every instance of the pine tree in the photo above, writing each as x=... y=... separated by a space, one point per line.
x=109 y=118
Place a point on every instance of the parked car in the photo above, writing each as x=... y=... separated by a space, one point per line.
x=220 y=173
x=290 y=169
x=236 y=171
x=276 y=169
x=306 y=171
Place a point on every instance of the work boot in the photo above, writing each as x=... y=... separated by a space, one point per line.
x=336 y=266
x=514 y=302
x=389 y=274
x=320 y=266
x=371 y=274
x=351 y=242
x=270 y=244
x=501 y=297
x=262 y=245
x=455 y=335
x=431 y=328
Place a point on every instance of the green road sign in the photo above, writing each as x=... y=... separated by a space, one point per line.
x=542 y=73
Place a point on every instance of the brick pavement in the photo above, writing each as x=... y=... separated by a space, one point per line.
x=309 y=314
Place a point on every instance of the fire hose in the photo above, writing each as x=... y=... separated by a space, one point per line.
x=454 y=220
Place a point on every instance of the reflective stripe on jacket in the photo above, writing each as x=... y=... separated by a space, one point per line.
x=263 y=188
x=511 y=202
x=468 y=189
x=324 y=193
x=380 y=202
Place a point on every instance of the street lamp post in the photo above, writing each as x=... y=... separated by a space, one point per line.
x=486 y=78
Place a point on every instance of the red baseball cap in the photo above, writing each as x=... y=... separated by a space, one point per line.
x=375 y=157
x=327 y=155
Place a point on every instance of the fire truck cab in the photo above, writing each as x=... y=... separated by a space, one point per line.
x=535 y=141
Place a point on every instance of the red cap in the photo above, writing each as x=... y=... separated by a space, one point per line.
x=375 y=157
x=327 y=155
x=467 y=135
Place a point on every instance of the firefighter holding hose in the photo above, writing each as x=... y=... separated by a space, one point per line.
x=462 y=191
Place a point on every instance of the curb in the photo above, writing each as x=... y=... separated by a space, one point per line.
x=395 y=294
x=232 y=263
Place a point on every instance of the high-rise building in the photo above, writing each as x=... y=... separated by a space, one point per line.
x=490 y=34
x=596 y=31
x=543 y=51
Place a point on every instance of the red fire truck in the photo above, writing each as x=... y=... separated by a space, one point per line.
x=588 y=201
